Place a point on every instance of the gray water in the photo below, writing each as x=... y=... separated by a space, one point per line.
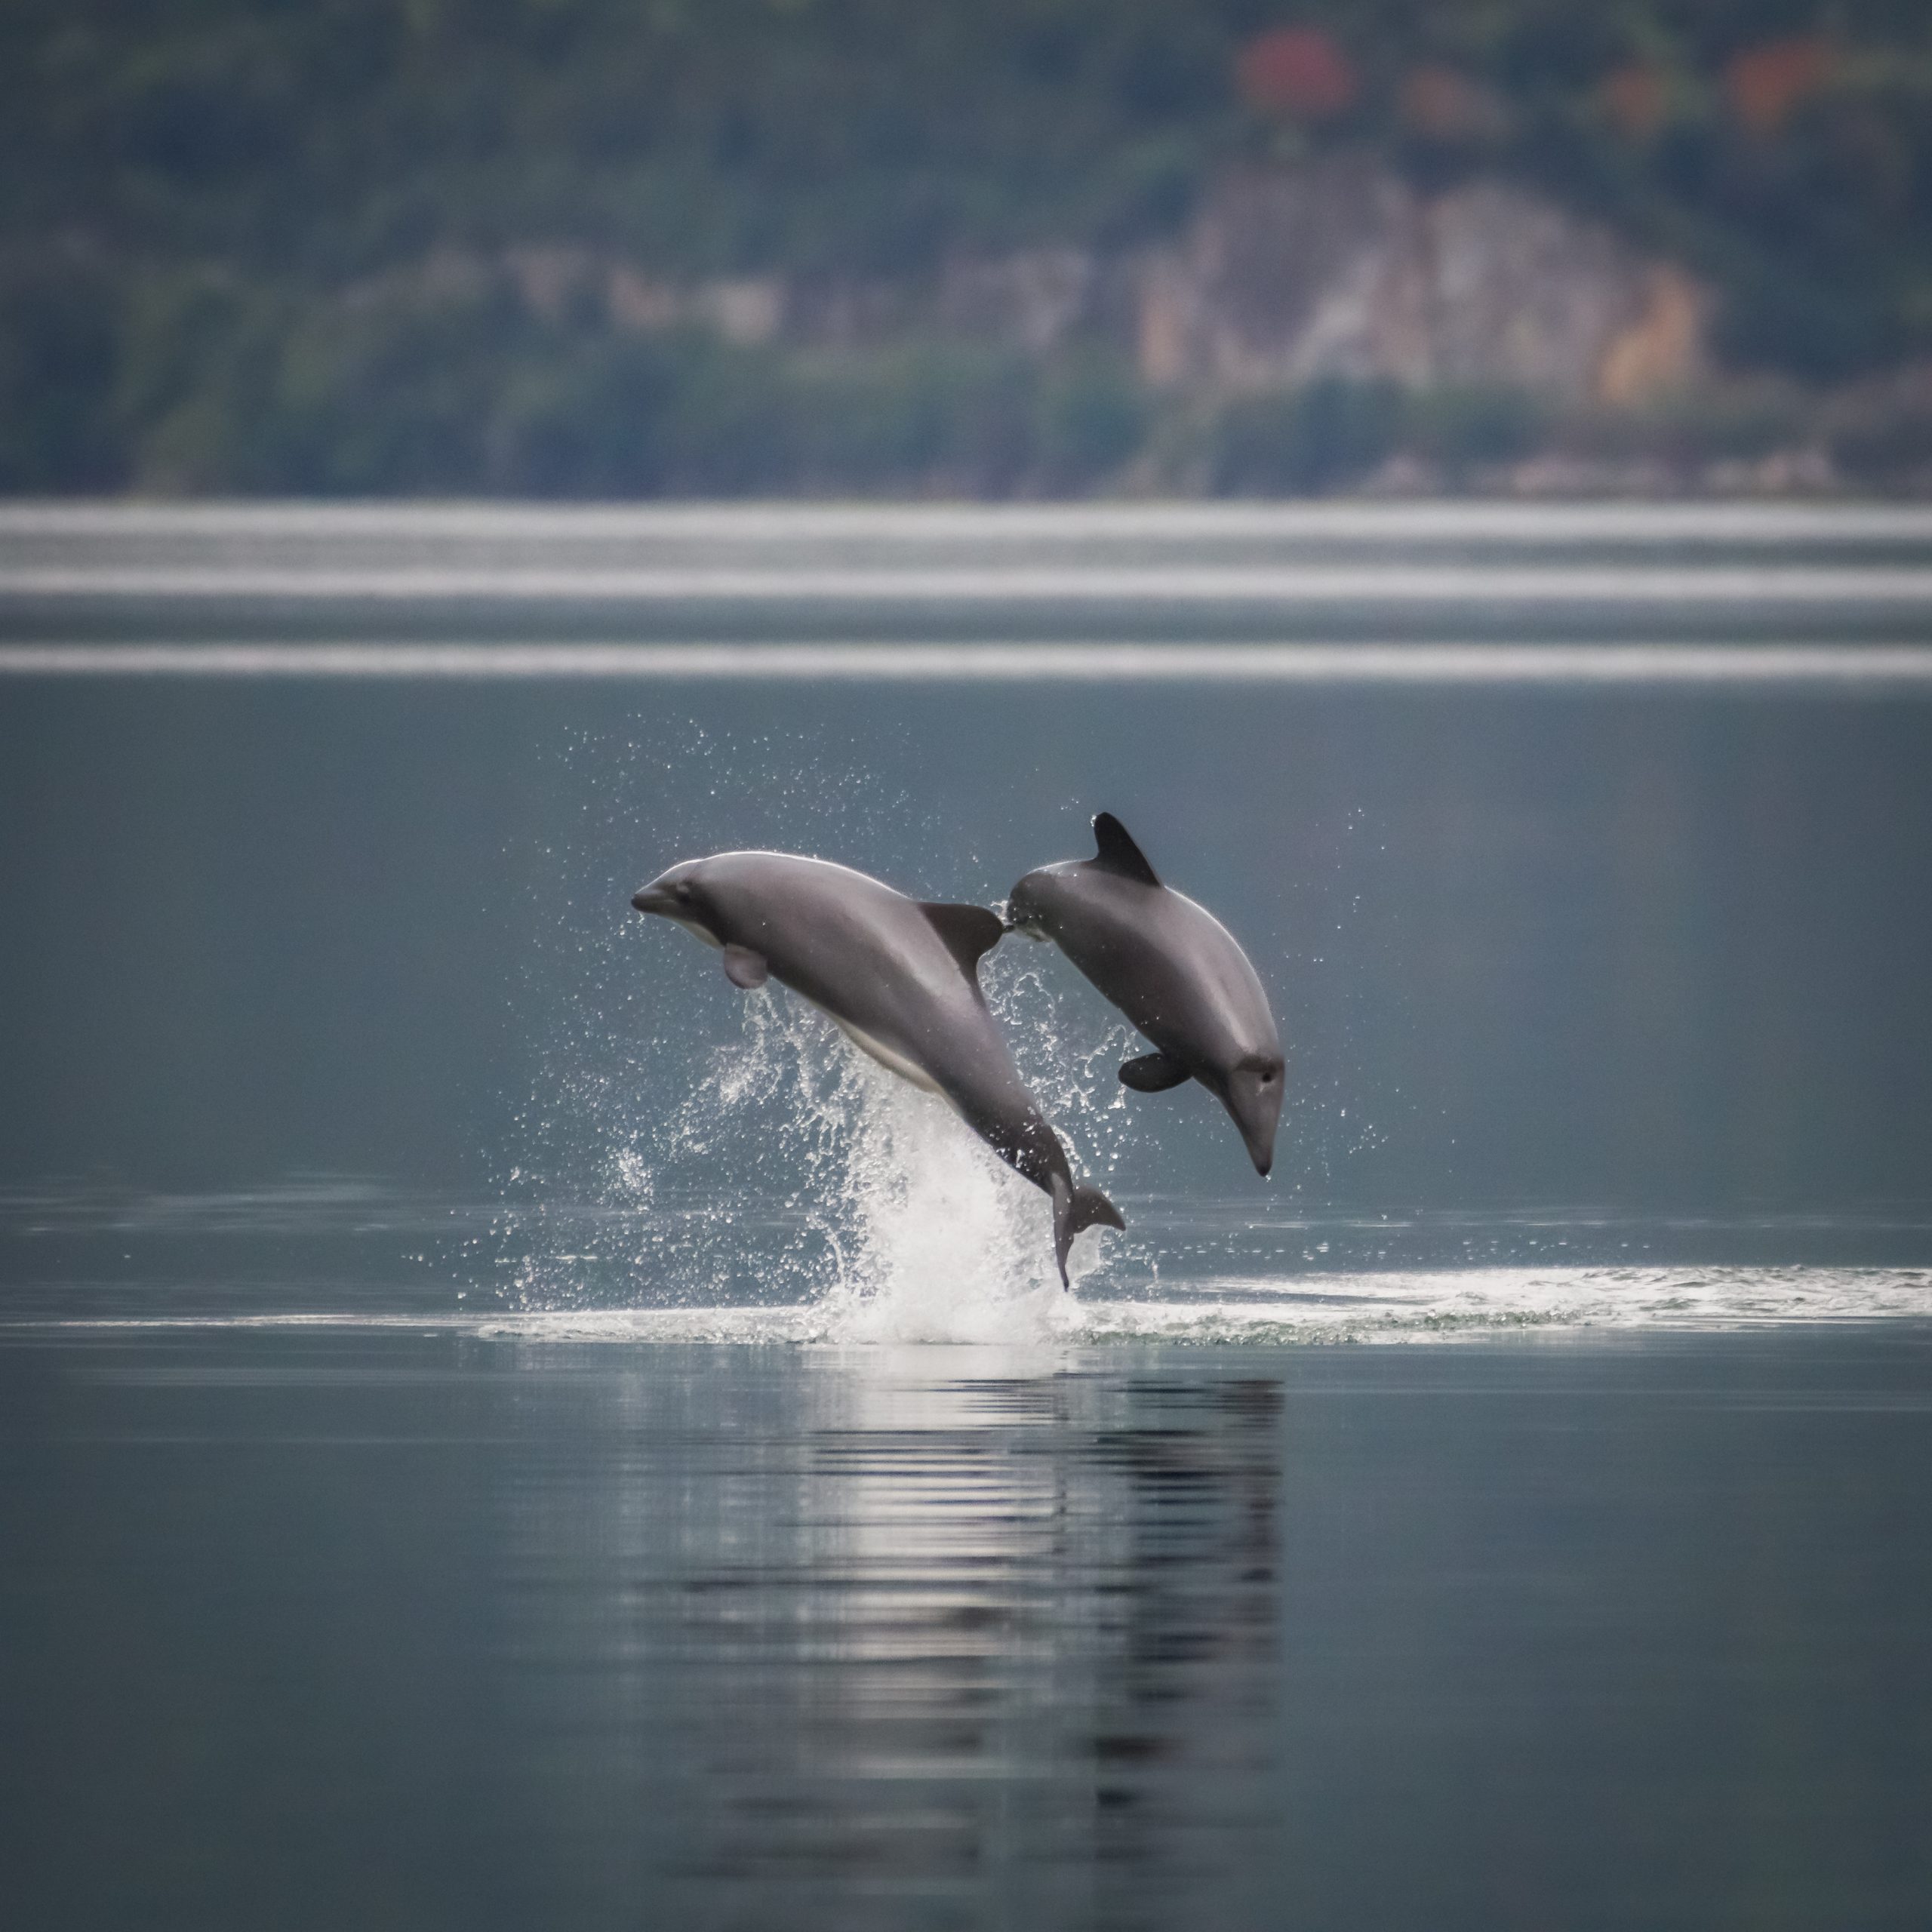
x=498 y=1428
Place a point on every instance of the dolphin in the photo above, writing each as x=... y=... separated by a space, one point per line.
x=1173 y=968
x=899 y=977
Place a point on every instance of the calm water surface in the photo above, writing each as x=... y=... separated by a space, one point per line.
x=498 y=1429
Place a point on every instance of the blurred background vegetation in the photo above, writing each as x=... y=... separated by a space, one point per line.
x=622 y=248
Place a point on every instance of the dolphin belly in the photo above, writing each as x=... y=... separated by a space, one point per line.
x=698 y=931
x=893 y=1062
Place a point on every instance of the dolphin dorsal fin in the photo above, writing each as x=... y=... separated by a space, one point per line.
x=969 y=931
x=1119 y=852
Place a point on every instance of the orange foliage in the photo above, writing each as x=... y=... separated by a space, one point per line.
x=1765 y=83
x=1297 y=71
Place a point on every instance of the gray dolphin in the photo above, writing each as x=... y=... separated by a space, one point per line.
x=900 y=975
x=1173 y=968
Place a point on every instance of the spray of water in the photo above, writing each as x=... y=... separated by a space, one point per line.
x=792 y=1172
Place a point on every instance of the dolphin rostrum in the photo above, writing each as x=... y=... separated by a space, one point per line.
x=1173 y=968
x=898 y=975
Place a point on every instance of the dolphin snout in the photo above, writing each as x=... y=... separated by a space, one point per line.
x=651 y=899
x=1258 y=1137
x=1254 y=1099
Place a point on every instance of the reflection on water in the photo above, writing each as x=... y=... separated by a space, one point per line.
x=359 y=1626
x=1002 y=1644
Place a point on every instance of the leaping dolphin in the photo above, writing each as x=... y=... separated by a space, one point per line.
x=1173 y=968
x=900 y=975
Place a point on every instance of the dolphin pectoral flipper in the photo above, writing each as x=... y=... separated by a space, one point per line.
x=744 y=967
x=1118 y=852
x=1153 y=1073
x=969 y=932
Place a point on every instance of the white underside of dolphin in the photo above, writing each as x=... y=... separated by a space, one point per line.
x=893 y=1063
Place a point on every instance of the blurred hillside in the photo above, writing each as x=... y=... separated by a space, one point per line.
x=614 y=247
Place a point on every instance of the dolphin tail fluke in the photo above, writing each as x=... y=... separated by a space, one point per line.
x=1074 y=1209
x=1092 y=1209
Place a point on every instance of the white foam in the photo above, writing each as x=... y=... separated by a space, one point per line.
x=970 y=1279
x=948 y=1243
x=939 y=1290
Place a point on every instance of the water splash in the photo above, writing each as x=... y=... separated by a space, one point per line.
x=793 y=1171
x=948 y=1243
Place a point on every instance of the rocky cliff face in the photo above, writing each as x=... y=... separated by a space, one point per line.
x=1343 y=269
x=1337 y=269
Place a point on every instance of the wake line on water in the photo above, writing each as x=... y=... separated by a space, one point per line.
x=1450 y=1305
x=1822 y=668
